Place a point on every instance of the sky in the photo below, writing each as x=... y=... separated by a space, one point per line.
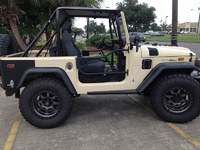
x=163 y=9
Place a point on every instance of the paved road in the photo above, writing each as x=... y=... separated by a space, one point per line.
x=114 y=122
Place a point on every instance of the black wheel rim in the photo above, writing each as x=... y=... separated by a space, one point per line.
x=45 y=104
x=177 y=100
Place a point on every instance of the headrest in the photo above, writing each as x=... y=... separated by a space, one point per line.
x=66 y=26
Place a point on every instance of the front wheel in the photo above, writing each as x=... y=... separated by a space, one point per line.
x=175 y=98
x=45 y=103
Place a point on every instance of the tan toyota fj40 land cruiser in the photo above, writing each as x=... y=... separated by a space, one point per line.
x=53 y=77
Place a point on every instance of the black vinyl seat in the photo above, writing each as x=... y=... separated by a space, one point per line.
x=70 y=49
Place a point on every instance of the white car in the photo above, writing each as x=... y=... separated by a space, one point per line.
x=84 y=35
x=184 y=32
x=148 y=32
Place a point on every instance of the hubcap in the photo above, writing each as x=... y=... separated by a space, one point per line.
x=45 y=104
x=177 y=100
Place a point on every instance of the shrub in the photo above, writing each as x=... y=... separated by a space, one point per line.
x=81 y=45
x=95 y=40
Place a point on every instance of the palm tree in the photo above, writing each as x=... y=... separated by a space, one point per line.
x=10 y=11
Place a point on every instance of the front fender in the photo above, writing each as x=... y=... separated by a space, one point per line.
x=156 y=71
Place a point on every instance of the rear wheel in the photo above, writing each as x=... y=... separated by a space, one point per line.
x=175 y=98
x=46 y=103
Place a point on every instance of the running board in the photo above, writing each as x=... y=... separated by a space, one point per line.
x=113 y=92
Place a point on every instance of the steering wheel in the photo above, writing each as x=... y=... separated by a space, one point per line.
x=102 y=42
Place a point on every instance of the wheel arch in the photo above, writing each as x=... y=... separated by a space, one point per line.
x=163 y=69
x=33 y=73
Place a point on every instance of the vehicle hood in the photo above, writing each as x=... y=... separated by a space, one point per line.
x=165 y=51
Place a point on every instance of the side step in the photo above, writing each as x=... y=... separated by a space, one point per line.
x=113 y=92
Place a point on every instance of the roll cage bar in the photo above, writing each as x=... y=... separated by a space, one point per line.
x=62 y=14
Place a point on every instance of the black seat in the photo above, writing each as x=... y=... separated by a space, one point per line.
x=70 y=49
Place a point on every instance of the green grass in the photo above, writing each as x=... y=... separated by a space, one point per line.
x=181 y=38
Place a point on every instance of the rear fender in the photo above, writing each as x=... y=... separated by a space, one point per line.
x=57 y=71
x=42 y=70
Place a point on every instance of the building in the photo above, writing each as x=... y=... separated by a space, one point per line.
x=187 y=26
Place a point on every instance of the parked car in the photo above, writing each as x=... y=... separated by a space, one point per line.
x=73 y=37
x=84 y=35
x=132 y=36
x=169 y=32
x=148 y=32
x=154 y=34
x=158 y=33
x=184 y=32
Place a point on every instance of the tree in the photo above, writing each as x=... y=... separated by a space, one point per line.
x=11 y=12
x=3 y=28
x=76 y=31
x=101 y=28
x=164 y=27
x=138 y=16
x=155 y=27
x=96 y=29
x=34 y=19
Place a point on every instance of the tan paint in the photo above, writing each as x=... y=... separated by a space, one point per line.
x=133 y=65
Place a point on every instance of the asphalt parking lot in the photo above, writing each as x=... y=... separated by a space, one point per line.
x=108 y=122
x=113 y=122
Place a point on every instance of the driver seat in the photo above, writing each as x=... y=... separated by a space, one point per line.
x=70 y=49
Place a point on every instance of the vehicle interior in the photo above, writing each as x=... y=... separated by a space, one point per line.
x=105 y=67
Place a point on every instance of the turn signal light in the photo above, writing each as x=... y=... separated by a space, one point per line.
x=181 y=59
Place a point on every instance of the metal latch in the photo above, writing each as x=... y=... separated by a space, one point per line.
x=191 y=57
x=11 y=84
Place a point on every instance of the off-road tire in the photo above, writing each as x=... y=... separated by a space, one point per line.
x=46 y=103
x=176 y=98
x=5 y=44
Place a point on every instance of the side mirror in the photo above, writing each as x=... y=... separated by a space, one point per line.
x=136 y=41
x=137 y=38
x=137 y=45
x=131 y=46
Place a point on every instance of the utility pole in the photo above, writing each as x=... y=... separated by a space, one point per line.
x=166 y=20
x=174 y=22
x=88 y=28
x=198 y=21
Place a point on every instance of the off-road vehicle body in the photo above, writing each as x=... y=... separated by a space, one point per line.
x=52 y=78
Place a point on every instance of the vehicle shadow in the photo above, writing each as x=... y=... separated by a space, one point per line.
x=96 y=108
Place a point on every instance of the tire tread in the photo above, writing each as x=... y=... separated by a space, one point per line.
x=165 y=81
x=47 y=82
